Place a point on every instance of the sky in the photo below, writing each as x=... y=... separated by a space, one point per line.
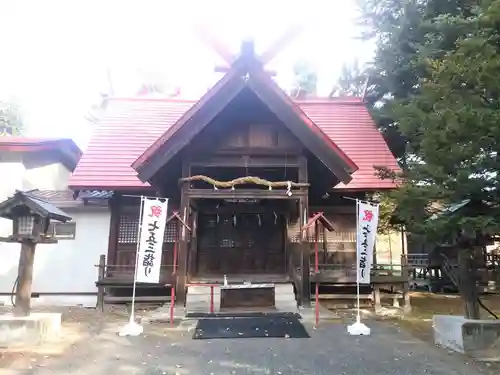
x=56 y=53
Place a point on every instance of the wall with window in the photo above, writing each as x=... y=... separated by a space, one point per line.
x=64 y=273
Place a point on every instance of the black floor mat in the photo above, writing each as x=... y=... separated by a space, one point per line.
x=262 y=326
x=242 y=314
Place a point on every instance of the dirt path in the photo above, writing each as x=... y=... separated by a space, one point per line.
x=329 y=351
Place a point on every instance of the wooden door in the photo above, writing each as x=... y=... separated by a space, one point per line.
x=241 y=244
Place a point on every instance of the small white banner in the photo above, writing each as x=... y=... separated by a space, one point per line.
x=365 y=241
x=154 y=217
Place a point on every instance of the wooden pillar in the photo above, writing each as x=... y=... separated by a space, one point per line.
x=193 y=245
x=305 y=263
x=406 y=297
x=114 y=227
x=406 y=285
x=25 y=279
x=182 y=267
x=100 y=280
x=376 y=297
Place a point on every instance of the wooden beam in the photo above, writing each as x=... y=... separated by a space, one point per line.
x=242 y=208
x=193 y=246
x=114 y=227
x=304 y=247
x=243 y=193
x=183 y=236
x=225 y=69
x=25 y=279
x=251 y=162
x=33 y=239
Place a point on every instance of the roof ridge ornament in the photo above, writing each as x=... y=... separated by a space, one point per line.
x=247 y=47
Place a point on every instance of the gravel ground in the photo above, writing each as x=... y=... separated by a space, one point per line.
x=330 y=350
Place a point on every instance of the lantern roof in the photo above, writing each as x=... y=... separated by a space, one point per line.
x=318 y=217
x=12 y=207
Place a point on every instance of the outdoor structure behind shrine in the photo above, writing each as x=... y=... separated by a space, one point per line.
x=42 y=168
x=245 y=168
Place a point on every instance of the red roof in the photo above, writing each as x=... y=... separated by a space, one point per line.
x=233 y=77
x=131 y=125
x=67 y=150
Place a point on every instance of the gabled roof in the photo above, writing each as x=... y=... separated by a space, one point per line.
x=245 y=72
x=131 y=125
x=66 y=149
x=67 y=199
x=35 y=204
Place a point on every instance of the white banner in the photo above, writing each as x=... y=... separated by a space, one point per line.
x=154 y=217
x=365 y=242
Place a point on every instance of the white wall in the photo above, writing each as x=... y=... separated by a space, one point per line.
x=68 y=266
x=52 y=176
x=31 y=171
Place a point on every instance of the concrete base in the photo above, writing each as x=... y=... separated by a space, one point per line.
x=479 y=339
x=28 y=331
x=198 y=299
x=285 y=298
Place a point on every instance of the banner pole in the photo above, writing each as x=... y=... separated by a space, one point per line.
x=132 y=328
x=141 y=213
x=358 y=328
x=358 y=316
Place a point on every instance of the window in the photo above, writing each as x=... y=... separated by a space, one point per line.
x=63 y=231
x=129 y=226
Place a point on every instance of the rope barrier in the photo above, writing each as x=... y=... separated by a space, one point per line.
x=244 y=180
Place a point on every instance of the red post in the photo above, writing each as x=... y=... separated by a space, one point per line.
x=174 y=268
x=172 y=304
x=316 y=250
x=317 y=303
x=172 y=290
x=316 y=267
x=211 y=299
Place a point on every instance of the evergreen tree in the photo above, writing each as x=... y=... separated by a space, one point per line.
x=399 y=29
x=452 y=127
x=353 y=81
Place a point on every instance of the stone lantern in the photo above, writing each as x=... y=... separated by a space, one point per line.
x=31 y=218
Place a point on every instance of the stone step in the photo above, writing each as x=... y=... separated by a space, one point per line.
x=198 y=298
x=284 y=289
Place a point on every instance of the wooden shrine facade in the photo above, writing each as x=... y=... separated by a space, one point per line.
x=246 y=201
x=244 y=168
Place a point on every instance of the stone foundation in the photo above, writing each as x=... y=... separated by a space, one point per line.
x=30 y=330
x=478 y=338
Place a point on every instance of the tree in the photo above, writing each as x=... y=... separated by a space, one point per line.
x=451 y=125
x=353 y=81
x=10 y=119
x=399 y=28
x=305 y=80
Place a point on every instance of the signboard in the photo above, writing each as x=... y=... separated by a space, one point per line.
x=367 y=222
x=152 y=230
